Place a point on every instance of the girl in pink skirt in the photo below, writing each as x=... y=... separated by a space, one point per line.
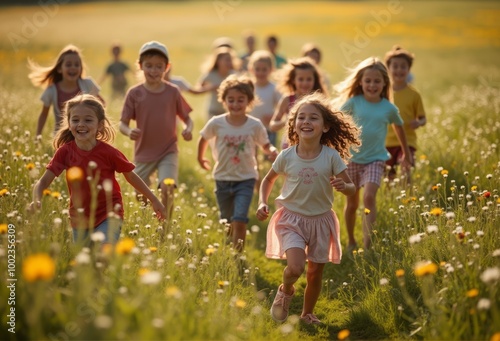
x=304 y=226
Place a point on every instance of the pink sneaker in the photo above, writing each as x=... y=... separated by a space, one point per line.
x=279 y=309
x=310 y=319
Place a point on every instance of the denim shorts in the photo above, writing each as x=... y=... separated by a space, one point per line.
x=110 y=228
x=234 y=199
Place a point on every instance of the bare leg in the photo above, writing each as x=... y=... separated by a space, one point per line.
x=351 y=207
x=369 y=201
x=313 y=288
x=167 y=199
x=238 y=234
x=296 y=259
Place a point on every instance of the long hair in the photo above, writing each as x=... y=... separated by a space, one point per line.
x=47 y=75
x=211 y=63
x=64 y=135
x=342 y=135
x=351 y=86
x=289 y=72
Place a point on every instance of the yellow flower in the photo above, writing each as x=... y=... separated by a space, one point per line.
x=124 y=246
x=153 y=248
x=30 y=166
x=173 y=291
x=55 y=194
x=3 y=191
x=444 y=172
x=143 y=271
x=423 y=157
x=3 y=228
x=74 y=174
x=201 y=190
x=46 y=191
x=209 y=251
x=107 y=249
x=436 y=211
x=495 y=337
x=221 y=284
x=472 y=293
x=400 y=273
x=18 y=153
x=367 y=211
x=425 y=268
x=240 y=304
x=169 y=182
x=435 y=188
x=473 y=188
x=343 y=334
x=39 y=266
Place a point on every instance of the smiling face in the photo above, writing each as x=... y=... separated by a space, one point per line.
x=372 y=84
x=71 y=67
x=399 y=69
x=309 y=123
x=262 y=70
x=236 y=102
x=153 y=67
x=303 y=81
x=84 y=125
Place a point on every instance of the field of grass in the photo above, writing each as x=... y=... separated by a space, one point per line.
x=433 y=272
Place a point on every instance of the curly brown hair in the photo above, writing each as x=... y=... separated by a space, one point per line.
x=342 y=135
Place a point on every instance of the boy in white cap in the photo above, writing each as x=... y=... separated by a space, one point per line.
x=155 y=106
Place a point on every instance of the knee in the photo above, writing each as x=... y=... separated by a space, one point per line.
x=369 y=199
x=294 y=270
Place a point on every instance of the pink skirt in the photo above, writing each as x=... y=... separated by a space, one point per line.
x=319 y=235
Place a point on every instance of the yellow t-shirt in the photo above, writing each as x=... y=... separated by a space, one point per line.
x=410 y=107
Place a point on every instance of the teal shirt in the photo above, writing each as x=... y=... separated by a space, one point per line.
x=373 y=118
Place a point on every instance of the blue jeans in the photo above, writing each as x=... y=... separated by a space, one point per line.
x=234 y=199
x=110 y=228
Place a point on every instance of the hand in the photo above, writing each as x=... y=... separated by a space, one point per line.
x=406 y=165
x=337 y=183
x=415 y=124
x=273 y=154
x=135 y=134
x=204 y=163
x=187 y=135
x=262 y=212
x=159 y=210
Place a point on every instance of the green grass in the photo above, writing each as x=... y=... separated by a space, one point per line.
x=220 y=296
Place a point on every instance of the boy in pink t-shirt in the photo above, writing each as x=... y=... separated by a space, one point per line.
x=155 y=106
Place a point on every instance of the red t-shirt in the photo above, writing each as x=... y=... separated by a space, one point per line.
x=109 y=160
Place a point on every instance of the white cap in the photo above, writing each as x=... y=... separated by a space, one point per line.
x=154 y=45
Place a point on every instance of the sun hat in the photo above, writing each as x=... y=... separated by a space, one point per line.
x=154 y=45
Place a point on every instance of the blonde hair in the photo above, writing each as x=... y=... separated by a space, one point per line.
x=242 y=84
x=262 y=56
x=342 y=135
x=289 y=71
x=351 y=86
x=211 y=63
x=64 y=134
x=48 y=75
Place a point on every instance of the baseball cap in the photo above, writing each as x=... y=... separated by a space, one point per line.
x=154 y=45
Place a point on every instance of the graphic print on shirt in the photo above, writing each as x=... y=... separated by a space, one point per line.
x=308 y=174
x=235 y=145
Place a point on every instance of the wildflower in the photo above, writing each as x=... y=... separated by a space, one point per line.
x=435 y=188
x=151 y=278
x=255 y=228
x=444 y=172
x=46 y=192
x=450 y=215
x=472 y=293
x=30 y=166
x=169 y=182
x=209 y=251
x=125 y=246
x=495 y=337
x=3 y=191
x=3 y=228
x=496 y=253
x=490 y=275
x=436 y=211
x=486 y=194
x=432 y=228
x=239 y=303
x=153 y=248
x=103 y=322
x=39 y=266
x=473 y=188
x=400 y=273
x=75 y=174
x=425 y=268
x=82 y=258
x=416 y=238
x=55 y=195
x=367 y=211
x=483 y=304
x=98 y=236
x=343 y=334
x=92 y=165
x=383 y=281
x=173 y=291
x=471 y=219
x=201 y=215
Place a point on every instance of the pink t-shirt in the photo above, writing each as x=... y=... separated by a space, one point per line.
x=109 y=160
x=156 y=116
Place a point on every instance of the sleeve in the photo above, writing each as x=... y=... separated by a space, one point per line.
x=278 y=164
x=394 y=116
x=419 y=106
x=347 y=107
x=128 y=111
x=90 y=86
x=260 y=136
x=58 y=162
x=208 y=131
x=121 y=163
x=337 y=163
x=183 y=109
x=47 y=96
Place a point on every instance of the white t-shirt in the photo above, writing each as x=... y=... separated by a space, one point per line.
x=306 y=189
x=234 y=147
x=269 y=98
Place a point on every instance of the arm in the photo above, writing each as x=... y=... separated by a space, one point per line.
x=187 y=132
x=41 y=120
x=202 y=148
x=133 y=133
x=400 y=133
x=201 y=89
x=142 y=188
x=41 y=184
x=270 y=151
x=342 y=183
x=265 y=189
x=277 y=121
x=421 y=121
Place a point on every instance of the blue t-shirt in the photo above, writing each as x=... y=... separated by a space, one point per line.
x=373 y=118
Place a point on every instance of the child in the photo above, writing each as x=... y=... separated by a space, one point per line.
x=182 y=83
x=249 y=37
x=155 y=106
x=83 y=151
x=304 y=227
x=366 y=94
x=63 y=81
x=272 y=46
x=117 y=69
x=410 y=106
x=220 y=64
x=312 y=51
x=235 y=136
x=261 y=65
x=300 y=77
